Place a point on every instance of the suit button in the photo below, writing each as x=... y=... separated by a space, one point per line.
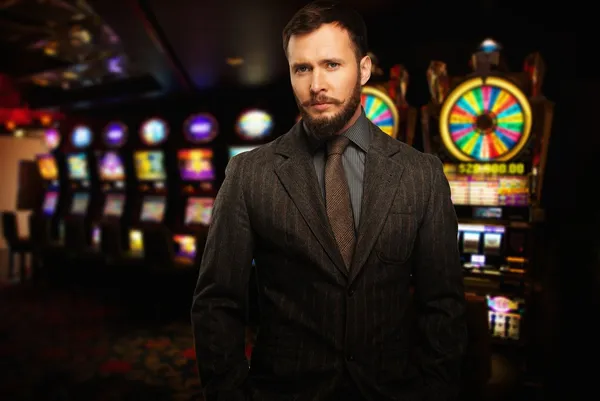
x=350 y=358
x=350 y=292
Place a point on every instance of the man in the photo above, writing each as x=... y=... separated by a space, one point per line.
x=341 y=221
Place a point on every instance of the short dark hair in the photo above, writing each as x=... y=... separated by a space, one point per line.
x=310 y=18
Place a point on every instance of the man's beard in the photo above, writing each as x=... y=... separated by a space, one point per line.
x=326 y=127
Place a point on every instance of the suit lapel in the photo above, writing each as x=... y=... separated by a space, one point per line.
x=382 y=175
x=297 y=174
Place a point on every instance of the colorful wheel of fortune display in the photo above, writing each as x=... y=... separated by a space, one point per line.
x=380 y=109
x=484 y=120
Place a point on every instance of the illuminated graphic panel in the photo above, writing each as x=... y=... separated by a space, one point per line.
x=154 y=131
x=136 y=241
x=199 y=211
x=485 y=120
x=150 y=165
x=505 y=316
x=380 y=109
x=153 y=209
x=472 y=186
x=110 y=167
x=47 y=167
x=200 y=128
x=185 y=247
x=254 y=124
x=80 y=203
x=196 y=164
x=114 y=205
x=50 y=202
x=236 y=150
x=78 y=167
x=81 y=136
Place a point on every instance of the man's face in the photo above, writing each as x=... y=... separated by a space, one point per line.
x=326 y=78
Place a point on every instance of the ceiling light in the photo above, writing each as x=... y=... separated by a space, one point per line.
x=235 y=61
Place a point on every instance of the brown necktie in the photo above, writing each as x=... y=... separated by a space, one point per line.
x=337 y=199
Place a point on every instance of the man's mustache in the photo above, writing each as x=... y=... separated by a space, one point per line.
x=319 y=100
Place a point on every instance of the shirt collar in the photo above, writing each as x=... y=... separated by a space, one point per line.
x=358 y=133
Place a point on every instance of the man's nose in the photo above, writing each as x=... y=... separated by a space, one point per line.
x=318 y=82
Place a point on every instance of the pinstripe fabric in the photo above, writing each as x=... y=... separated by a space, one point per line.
x=323 y=325
x=353 y=160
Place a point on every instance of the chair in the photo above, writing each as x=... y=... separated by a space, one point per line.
x=45 y=252
x=16 y=244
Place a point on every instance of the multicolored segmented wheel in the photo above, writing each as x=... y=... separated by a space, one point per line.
x=485 y=119
x=380 y=109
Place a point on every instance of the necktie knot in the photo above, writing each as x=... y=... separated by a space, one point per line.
x=337 y=145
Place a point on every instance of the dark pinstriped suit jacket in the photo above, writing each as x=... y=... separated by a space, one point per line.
x=319 y=321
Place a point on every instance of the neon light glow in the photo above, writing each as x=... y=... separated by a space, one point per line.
x=115 y=134
x=200 y=128
x=52 y=138
x=81 y=136
x=254 y=124
x=154 y=131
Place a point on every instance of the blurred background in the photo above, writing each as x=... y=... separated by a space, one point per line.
x=118 y=118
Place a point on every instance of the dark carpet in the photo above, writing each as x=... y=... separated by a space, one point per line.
x=60 y=346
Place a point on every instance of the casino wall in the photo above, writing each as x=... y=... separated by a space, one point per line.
x=12 y=151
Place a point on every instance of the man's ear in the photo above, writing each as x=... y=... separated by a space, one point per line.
x=365 y=69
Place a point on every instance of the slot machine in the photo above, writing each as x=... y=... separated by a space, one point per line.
x=151 y=176
x=384 y=101
x=83 y=196
x=491 y=130
x=112 y=176
x=197 y=175
x=48 y=166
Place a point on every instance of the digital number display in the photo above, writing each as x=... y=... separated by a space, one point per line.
x=492 y=168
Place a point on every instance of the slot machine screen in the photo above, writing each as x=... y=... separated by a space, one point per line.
x=77 y=166
x=153 y=209
x=110 y=166
x=493 y=184
x=196 y=164
x=80 y=203
x=198 y=211
x=47 y=167
x=50 y=201
x=471 y=242
x=481 y=238
x=185 y=247
x=114 y=205
x=236 y=150
x=150 y=165
x=492 y=243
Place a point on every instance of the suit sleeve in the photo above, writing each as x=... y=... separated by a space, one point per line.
x=439 y=292
x=220 y=297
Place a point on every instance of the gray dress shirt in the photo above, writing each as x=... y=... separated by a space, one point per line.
x=353 y=160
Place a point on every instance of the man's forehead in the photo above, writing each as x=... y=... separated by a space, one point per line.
x=324 y=43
